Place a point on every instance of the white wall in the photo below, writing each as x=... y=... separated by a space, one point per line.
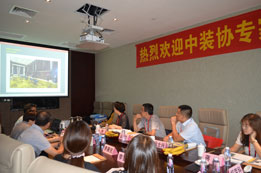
x=230 y=81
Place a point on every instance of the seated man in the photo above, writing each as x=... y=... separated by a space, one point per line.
x=184 y=127
x=28 y=120
x=151 y=123
x=28 y=108
x=34 y=135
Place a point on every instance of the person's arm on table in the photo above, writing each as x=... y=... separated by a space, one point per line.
x=235 y=148
x=152 y=132
x=255 y=143
x=53 y=152
x=55 y=138
x=176 y=136
x=135 y=127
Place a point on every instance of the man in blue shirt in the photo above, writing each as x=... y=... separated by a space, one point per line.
x=184 y=128
x=34 y=135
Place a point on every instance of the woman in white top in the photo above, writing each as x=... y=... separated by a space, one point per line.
x=250 y=136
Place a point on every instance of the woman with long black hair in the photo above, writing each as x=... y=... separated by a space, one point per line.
x=76 y=141
x=250 y=136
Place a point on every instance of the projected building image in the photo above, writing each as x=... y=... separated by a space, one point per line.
x=33 y=73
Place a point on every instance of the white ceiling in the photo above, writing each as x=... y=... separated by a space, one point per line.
x=57 y=22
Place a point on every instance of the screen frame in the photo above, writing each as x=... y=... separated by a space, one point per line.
x=41 y=46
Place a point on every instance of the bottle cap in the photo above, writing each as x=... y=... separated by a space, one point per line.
x=216 y=159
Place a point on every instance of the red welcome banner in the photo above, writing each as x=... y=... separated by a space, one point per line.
x=234 y=34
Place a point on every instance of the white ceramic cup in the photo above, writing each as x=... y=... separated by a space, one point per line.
x=201 y=150
x=247 y=169
x=152 y=137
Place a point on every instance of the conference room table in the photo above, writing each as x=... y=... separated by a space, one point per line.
x=182 y=163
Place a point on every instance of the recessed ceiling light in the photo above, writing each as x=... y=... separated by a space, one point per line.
x=27 y=21
x=115 y=19
x=48 y=1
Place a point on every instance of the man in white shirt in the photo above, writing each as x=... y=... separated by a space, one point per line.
x=151 y=123
x=184 y=128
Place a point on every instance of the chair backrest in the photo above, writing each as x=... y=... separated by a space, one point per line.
x=136 y=108
x=107 y=108
x=97 y=107
x=164 y=113
x=214 y=122
x=45 y=165
x=15 y=156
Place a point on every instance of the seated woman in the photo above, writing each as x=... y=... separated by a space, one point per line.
x=122 y=121
x=109 y=119
x=141 y=155
x=250 y=136
x=76 y=141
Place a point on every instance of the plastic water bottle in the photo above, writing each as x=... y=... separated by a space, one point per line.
x=103 y=140
x=227 y=157
x=170 y=164
x=97 y=139
x=216 y=165
x=97 y=130
x=123 y=133
x=171 y=142
x=203 y=166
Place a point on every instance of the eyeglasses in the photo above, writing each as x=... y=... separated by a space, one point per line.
x=76 y=118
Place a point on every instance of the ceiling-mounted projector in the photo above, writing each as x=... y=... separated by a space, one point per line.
x=92 y=33
x=92 y=39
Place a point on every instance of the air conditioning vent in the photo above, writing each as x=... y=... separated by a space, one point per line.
x=20 y=11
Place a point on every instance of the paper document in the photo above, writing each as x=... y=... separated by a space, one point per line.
x=115 y=169
x=241 y=157
x=91 y=159
x=236 y=161
x=119 y=130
